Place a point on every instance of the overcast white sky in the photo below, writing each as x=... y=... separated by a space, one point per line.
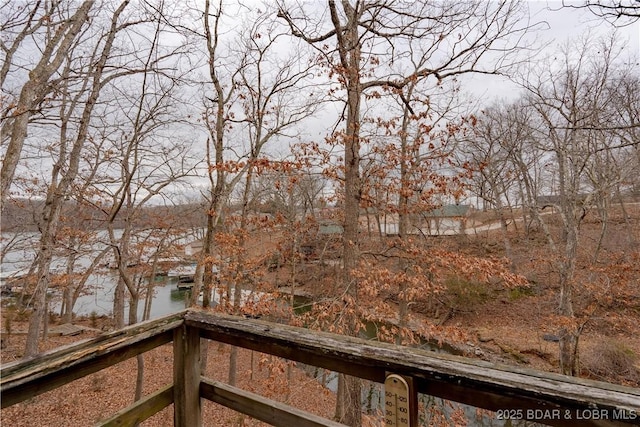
x=560 y=26
x=563 y=24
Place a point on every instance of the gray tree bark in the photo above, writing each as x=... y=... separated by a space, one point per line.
x=34 y=91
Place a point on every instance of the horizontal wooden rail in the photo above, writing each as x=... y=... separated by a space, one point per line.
x=261 y=408
x=142 y=409
x=473 y=382
x=469 y=381
x=25 y=379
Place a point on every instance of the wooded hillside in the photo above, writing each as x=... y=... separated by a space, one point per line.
x=337 y=149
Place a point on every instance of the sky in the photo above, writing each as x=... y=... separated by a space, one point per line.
x=562 y=25
x=557 y=27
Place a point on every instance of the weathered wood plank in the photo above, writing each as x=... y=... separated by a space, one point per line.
x=24 y=379
x=261 y=408
x=186 y=377
x=464 y=380
x=141 y=410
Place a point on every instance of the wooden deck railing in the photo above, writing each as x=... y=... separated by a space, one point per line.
x=545 y=397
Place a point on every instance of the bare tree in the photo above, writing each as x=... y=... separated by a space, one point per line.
x=66 y=170
x=91 y=70
x=491 y=150
x=60 y=37
x=216 y=120
x=267 y=109
x=618 y=12
x=361 y=44
x=148 y=163
x=626 y=159
x=572 y=100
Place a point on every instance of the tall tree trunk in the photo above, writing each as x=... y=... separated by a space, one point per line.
x=567 y=262
x=240 y=262
x=121 y=257
x=504 y=228
x=603 y=211
x=348 y=410
x=35 y=90
x=119 y=304
x=134 y=301
x=403 y=216
x=51 y=218
x=629 y=226
x=56 y=193
x=568 y=337
x=67 y=293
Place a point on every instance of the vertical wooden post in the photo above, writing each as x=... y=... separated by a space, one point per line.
x=186 y=377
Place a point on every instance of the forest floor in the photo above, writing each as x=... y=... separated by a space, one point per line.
x=98 y=396
x=508 y=326
x=513 y=324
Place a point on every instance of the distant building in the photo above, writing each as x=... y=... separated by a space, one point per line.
x=193 y=248
x=445 y=221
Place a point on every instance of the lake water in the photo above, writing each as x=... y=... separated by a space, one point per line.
x=167 y=298
x=100 y=286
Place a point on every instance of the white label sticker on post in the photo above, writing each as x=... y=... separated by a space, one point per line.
x=397 y=401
